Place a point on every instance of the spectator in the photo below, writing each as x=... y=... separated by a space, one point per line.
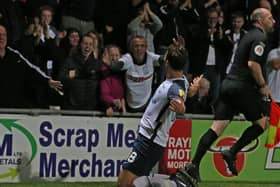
x=39 y=42
x=17 y=77
x=112 y=86
x=274 y=7
x=233 y=35
x=139 y=66
x=200 y=102
x=47 y=31
x=221 y=17
x=31 y=7
x=146 y=24
x=27 y=42
x=273 y=73
x=209 y=49
x=69 y=44
x=98 y=43
x=80 y=75
x=44 y=44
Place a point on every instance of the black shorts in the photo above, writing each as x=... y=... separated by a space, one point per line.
x=237 y=97
x=143 y=157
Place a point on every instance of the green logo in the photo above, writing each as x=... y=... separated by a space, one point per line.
x=11 y=173
x=11 y=124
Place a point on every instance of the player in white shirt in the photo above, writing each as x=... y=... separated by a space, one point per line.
x=158 y=118
x=138 y=65
x=139 y=79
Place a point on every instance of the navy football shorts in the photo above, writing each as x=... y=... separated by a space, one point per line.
x=143 y=157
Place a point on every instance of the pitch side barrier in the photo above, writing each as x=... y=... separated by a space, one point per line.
x=72 y=146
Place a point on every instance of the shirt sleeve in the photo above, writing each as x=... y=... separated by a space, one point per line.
x=176 y=92
x=127 y=61
x=257 y=52
x=154 y=56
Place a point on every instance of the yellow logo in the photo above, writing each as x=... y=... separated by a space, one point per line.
x=181 y=93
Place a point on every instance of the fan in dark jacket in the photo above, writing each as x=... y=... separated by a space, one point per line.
x=80 y=75
x=19 y=77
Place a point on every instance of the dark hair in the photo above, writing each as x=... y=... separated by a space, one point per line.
x=109 y=46
x=176 y=57
x=71 y=30
x=237 y=14
x=46 y=7
x=212 y=10
x=65 y=43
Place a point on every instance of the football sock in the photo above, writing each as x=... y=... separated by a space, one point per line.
x=250 y=134
x=205 y=142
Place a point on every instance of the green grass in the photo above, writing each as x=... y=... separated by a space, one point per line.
x=234 y=184
x=112 y=184
x=60 y=184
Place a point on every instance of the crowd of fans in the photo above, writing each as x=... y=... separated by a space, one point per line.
x=107 y=54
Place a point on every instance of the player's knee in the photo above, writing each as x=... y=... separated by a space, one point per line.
x=126 y=178
x=122 y=182
x=142 y=182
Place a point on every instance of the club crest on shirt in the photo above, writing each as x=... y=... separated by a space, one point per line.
x=181 y=93
x=259 y=49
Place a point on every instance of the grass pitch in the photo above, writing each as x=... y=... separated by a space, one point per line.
x=113 y=184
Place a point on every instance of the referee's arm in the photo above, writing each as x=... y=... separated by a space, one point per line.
x=256 y=72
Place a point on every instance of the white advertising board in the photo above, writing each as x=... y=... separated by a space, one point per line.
x=50 y=147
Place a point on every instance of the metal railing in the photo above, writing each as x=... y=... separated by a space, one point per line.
x=37 y=112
